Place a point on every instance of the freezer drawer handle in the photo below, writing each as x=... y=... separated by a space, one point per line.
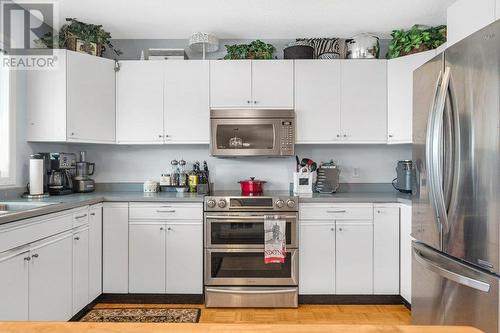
x=466 y=281
x=232 y=291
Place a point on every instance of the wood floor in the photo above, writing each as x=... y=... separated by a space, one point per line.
x=305 y=314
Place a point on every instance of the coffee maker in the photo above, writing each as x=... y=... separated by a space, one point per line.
x=84 y=169
x=62 y=169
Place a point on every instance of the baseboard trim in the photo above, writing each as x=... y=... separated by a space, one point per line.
x=350 y=299
x=80 y=314
x=151 y=298
x=406 y=303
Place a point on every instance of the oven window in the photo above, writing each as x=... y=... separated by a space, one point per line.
x=259 y=136
x=248 y=265
x=251 y=233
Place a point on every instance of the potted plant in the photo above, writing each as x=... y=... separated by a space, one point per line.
x=255 y=50
x=81 y=37
x=416 y=39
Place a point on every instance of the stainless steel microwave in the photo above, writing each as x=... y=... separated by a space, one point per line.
x=252 y=132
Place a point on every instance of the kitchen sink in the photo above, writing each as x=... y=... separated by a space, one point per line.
x=17 y=206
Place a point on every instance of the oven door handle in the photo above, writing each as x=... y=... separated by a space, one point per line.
x=260 y=291
x=225 y=217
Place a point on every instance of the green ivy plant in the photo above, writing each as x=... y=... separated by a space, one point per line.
x=415 y=40
x=87 y=33
x=255 y=50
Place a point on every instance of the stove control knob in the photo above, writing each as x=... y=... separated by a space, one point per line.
x=211 y=203
x=290 y=203
x=280 y=203
x=222 y=203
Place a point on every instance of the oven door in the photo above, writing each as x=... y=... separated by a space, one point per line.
x=246 y=267
x=244 y=230
x=248 y=137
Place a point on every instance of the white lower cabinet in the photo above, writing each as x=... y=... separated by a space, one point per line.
x=406 y=255
x=115 y=248
x=386 y=249
x=317 y=257
x=354 y=257
x=80 y=268
x=95 y=251
x=184 y=254
x=147 y=257
x=14 y=301
x=50 y=279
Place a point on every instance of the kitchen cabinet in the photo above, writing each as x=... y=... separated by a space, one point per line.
x=184 y=257
x=364 y=101
x=317 y=101
x=272 y=84
x=251 y=84
x=186 y=102
x=317 y=257
x=230 y=83
x=95 y=251
x=405 y=251
x=147 y=258
x=50 y=279
x=386 y=249
x=400 y=95
x=14 y=300
x=140 y=101
x=464 y=17
x=64 y=103
x=354 y=257
x=115 y=248
x=497 y=10
x=80 y=268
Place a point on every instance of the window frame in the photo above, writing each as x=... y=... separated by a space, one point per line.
x=10 y=181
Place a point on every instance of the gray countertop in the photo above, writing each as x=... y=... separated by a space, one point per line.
x=357 y=197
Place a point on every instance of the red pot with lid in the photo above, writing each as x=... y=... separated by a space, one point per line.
x=252 y=186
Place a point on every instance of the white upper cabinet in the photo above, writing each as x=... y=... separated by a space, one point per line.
x=364 y=101
x=400 y=95
x=468 y=16
x=90 y=98
x=317 y=101
x=230 y=83
x=497 y=10
x=140 y=101
x=74 y=102
x=272 y=84
x=187 y=116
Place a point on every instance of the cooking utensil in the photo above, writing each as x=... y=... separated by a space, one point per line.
x=363 y=46
x=252 y=185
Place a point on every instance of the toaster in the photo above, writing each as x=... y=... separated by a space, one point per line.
x=328 y=178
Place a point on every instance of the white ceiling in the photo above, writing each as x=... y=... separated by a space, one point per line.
x=267 y=19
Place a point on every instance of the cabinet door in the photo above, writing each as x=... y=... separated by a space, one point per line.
x=386 y=250
x=115 y=248
x=354 y=258
x=465 y=17
x=80 y=269
x=147 y=258
x=230 y=83
x=184 y=274
x=406 y=256
x=497 y=10
x=90 y=98
x=272 y=84
x=363 y=102
x=187 y=116
x=14 y=284
x=95 y=252
x=400 y=95
x=139 y=99
x=316 y=258
x=317 y=101
x=50 y=279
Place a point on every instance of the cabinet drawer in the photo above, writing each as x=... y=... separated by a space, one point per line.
x=314 y=211
x=166 y=211
x=81 y=217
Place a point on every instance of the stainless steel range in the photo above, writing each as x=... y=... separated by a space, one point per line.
x=235 y=272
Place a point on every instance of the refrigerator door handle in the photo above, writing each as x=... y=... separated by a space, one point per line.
x=460 y=279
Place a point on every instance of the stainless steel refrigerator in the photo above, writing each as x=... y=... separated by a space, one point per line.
x=456 y=200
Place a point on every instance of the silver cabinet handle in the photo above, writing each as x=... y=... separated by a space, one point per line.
x=338 y=135
x=92 y=214
x=165 y=210
x=27 y=258
x=34 y=255
x=390 y=135
x=77 y=238
x=160 y=136
x=80 y=216
x=340 y=229
x=255 y=102
x=167 y=136
x=161 y=228
x=345 y=135
x=169 y=229
x=248 y=102
x=336 y=211
x=332 y=229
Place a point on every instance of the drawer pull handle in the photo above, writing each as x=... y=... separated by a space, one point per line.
x=161 y=228
x=336 y=211
x=80 y=216
x=169 y=229
x=34 y=255
x=165 y=211
x=92 y=214
x=27 y=258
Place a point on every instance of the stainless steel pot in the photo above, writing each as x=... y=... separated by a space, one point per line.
x=363 y=46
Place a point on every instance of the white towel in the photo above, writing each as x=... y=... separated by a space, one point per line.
x=274 y=240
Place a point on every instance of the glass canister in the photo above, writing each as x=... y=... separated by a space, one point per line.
x=363 y=46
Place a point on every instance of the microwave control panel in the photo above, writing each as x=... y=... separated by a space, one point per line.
x=287 y=137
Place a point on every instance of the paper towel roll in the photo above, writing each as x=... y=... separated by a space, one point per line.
x=36 y=176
